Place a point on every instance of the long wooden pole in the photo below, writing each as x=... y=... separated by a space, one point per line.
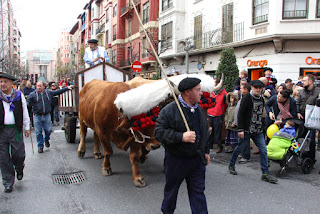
x=161 y=67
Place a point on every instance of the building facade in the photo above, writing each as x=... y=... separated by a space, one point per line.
x=282 y=34
x=41 y=65
x=9 y=40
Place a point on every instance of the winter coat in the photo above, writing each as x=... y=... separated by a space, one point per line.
x=229 y=114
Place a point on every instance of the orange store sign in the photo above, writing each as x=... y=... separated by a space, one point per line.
x=260 y=63
x=310 y=60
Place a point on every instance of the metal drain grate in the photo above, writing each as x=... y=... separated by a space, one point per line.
x=70 y=178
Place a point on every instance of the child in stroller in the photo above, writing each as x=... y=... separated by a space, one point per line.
x=288 y=145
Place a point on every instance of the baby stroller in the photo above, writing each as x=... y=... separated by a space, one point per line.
x=291 y=151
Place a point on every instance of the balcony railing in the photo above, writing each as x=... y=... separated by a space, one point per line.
x=100 y=29
x=293 y=14
x=260 y=19
x=213 y=38
x=128 y=7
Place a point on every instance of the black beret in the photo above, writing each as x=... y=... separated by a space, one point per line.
x=188 y=83
x=8 y=76
x=257 y=83
x=92 y=41
x=266 y=69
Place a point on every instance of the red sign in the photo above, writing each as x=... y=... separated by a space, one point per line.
x=136 y=66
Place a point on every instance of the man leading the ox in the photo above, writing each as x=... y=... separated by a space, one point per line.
x=41 y=100
x=13 y=116
x=250 y=126
x=186 y=152
x=94 y=54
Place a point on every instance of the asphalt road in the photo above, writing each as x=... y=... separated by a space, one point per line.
x=243 y=193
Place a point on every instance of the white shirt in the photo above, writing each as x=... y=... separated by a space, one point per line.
x=9 y=116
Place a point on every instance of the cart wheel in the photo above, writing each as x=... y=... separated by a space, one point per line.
x=70 y=128
x=307 y=165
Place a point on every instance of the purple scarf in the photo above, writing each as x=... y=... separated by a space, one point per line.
x=13 y=97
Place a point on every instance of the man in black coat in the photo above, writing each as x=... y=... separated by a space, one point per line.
x=186 y=152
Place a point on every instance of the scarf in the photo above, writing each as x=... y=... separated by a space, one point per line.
x=186 y=105
x=14 y=96
x=285 y=110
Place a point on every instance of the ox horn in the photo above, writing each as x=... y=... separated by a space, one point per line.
x=217 y=87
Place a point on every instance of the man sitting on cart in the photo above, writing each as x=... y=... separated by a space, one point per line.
x=94 y=54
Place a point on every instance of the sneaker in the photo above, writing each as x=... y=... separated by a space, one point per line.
x=40 y=150
x=268 y=178
x=47 y=144
x=244 y=160
x=232 y=170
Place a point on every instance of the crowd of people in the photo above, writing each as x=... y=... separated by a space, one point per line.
x=21 y=104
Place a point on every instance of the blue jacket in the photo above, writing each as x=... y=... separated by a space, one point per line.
x=290 y=130
x=41 y=103
x=26 y=91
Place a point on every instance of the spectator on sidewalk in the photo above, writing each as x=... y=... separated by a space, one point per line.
x=310 y=95
x=250 y=126
x=216 y=114
x=231 y=129
x=41 y=100
x=54 y=107
x=245 y=88
x=13 y=116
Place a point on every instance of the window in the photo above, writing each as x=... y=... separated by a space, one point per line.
x=145 y=47
x=145 y=13
x=114 y=32
x=166 y=35
x=107 y=15
x=129 y=27
x=114 y=56
x=227 y=23
x=115 y=10
x=166 y=4
x=198 y=31
x=294 y=9
x=260 y=11
x=107 y=37
x=318 y=9
x=92 y=13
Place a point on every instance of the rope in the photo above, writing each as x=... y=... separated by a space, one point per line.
x=142 y=135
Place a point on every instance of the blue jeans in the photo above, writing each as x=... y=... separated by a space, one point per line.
x=42 y=122
x=260 y=143
x=56 y=113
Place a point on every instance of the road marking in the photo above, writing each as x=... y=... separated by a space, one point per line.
x=58 y=131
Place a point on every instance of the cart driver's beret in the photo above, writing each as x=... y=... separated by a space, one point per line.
x=257 y=83
x=93 y=41
x=188 y=83
x=268 y=69
x=8 y=76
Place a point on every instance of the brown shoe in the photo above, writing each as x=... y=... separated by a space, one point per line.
x=219 y=150
x=256 y=152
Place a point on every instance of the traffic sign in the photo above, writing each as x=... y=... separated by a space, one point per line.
x=136 y=66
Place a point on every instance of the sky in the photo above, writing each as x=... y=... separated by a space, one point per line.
x=41 y=22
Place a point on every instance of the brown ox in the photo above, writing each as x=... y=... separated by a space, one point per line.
x=98 y=112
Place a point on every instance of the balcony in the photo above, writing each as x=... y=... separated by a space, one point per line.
x=128 y=7
x=260 y=19
x=101 y=29
x=213 y=38
x=294 y=14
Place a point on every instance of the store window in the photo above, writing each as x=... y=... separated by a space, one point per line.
x=260 y=11
x=295 y=9
x=313 y=71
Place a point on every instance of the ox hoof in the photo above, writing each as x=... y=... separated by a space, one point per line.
x=97 y=155
x=139 y=183
x=81 y=154
x=106 y=172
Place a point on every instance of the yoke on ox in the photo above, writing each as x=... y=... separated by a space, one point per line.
x=109 y=107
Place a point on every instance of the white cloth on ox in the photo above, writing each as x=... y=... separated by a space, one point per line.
x=144 y=98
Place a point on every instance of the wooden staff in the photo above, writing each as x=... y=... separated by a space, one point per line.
x=162 y=69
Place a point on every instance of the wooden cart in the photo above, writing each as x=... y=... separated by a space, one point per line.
x=69 y=101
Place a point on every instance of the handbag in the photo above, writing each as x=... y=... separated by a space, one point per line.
x=312 y=117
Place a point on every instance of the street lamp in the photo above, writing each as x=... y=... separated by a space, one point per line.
x=186 y=47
